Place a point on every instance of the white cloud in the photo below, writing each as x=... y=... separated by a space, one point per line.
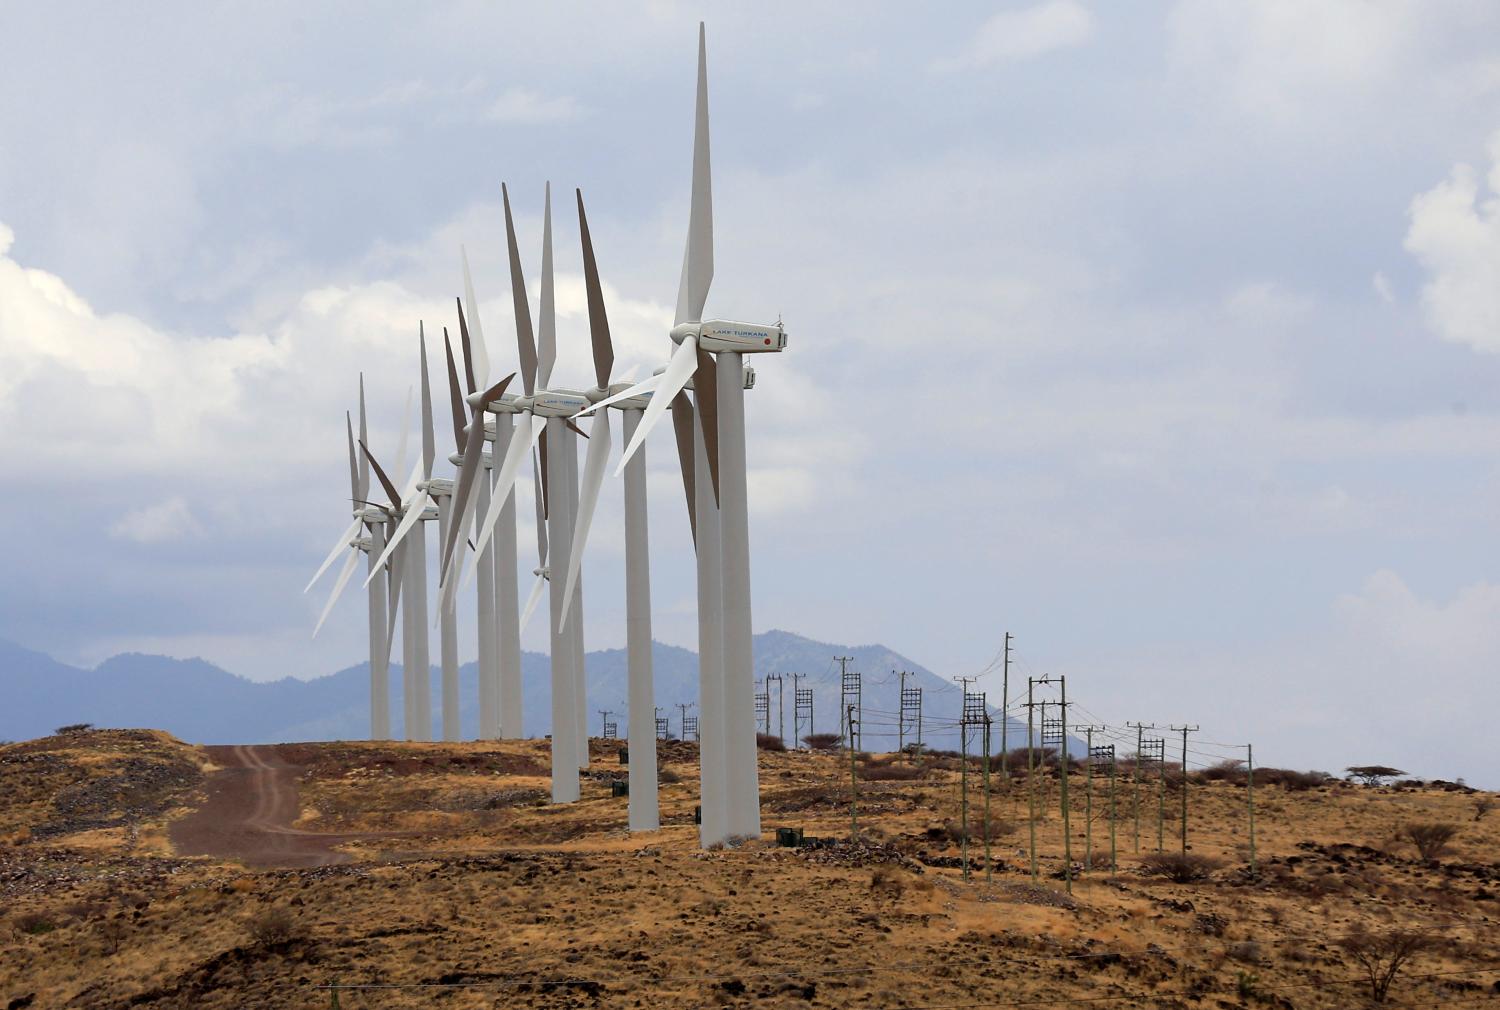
x=166 y=520
x=1382 y=285
x=1455 y=235
x=520 y=105
x=1016 y=35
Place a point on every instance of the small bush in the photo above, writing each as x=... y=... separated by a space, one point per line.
x=953 y=831
x=873 y=772
x=667 y=776
x=767 y=741
x=1482 y=805
x=33 y=924
x=273 y=927
x=887 y=881
x=75 y=727
x=823 y=741
x=1430 y=839
x=1179 y=867
x=1246 y=952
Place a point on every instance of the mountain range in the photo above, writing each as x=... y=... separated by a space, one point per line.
x=202 y=703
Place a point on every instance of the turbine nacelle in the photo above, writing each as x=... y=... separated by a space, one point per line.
x=715 y=335
x=748 y=372
x=558 y=402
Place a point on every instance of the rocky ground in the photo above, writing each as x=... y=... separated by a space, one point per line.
x=139 y=871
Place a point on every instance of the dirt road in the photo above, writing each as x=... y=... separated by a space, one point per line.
x=252 y=803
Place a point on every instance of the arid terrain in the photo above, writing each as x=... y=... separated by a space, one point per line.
x=136 y=870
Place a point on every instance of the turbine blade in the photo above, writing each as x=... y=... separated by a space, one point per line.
x=481 y=354
x=341 y=545
x=520 y=446
x=546 y=471
x=546 y=319
x=604 y=350
x=539 y=495
x=644 y=386
x=698 y=257
x=338 y=589
x=524 y=342
x=394 y=578
x=429 y=442
x=532 y=600
x=405 y=433
x=364 y=436
x=588 y=499
x=679 y=370
x=409 y=521
x=455 y=397
x=706 y=395
x=353 y=458
x=682 y=425
x=473 y=464
x=385 y=482
x=468 y=347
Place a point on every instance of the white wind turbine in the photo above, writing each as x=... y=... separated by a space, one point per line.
x=548 y=410
x=711 y=352
x=375 y=520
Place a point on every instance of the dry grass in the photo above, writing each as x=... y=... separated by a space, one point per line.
x=477 y=879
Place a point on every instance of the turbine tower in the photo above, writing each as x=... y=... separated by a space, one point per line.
x=710 y=354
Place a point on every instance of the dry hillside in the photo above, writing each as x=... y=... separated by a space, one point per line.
x=139 y=871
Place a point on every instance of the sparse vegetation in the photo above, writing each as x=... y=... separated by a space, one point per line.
x=823 y=741
x=1483 y=804
x=1430 y=839
x=273 y=927
x=74 y=728
x=1383 y=955
x=769 y=741
x=33 y=923
x=1179 y=867
x=1373 y=775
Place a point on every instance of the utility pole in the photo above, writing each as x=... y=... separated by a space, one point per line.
x=802 y=703
x=682 y=707
x=1184 y=730
x=1135 y=800
x=853 y=785
x=1113 y=863
x=1088 y=799
x=901 y=717
x=1031 y=774
x=989 y=873
x=780 y=708
x=1250 y=800
x=850 y=691
x=663 y=728
x=606 y=727
x=1005 y=714
x=963 y=749
x=763 y=706
x=1057 y=730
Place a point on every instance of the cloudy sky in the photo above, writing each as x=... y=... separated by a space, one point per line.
x=1162 y=335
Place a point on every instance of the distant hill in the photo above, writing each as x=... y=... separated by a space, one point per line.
x=200 y=702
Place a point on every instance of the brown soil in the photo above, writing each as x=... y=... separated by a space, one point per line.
x=251 y=803
x=438 y=875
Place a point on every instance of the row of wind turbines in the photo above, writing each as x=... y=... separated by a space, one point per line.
x=497 y=431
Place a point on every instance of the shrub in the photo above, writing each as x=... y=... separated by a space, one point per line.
x=1482 y=805
x=273 y=927
x=886 y=881
x=74 y=727
x=33 y=924
x=953 y=831
x=873 y=772
x=1429 y=838
x=667 y=776
x=1179 y=867
x=1231 y=770
x=767 y=741
x=1371 y=775
x=823 y=741
x=1383 y=954
x=1290 y=780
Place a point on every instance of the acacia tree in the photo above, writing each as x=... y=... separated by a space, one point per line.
x=1430 y=838
x=1371 y=775
x=1383 y=955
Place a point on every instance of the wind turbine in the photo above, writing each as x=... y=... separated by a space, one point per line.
x=710 y=353
x=374 y=519
x=546 y=410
